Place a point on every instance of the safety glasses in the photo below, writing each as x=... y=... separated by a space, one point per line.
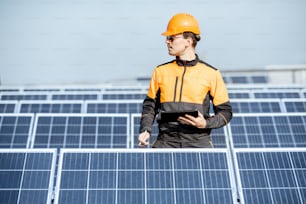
x=171 y=38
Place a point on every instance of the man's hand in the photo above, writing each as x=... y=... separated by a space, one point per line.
x=198 y=122
x=143 y=139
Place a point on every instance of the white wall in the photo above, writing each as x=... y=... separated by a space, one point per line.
x=97 y=41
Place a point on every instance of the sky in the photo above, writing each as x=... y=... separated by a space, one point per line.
x=102 y=41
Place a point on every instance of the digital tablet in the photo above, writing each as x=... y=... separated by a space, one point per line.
x=171 y=116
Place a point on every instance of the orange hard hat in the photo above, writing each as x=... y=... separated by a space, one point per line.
x=182 y=22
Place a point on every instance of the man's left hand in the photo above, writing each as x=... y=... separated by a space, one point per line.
x=198 y=122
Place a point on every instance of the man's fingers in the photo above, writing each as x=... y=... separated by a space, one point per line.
x=143 y=139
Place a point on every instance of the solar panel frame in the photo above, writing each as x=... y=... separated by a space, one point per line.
x=16 y=130
x=99 y=176
x=289 y=131
x=31 y=172
x=276 y=178
x=294 y=105
x=80 y=131
x=257 y=105
x=51 y=106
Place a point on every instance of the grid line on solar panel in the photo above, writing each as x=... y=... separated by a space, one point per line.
x=114 y=106
x=257 y=106
x=143 y=176
x=50 y=106
x=271 y=175
x=26 y=175
x=295 y=105
x=81 y=131
x=15 y=130
x=219 y=136
x=268 y=130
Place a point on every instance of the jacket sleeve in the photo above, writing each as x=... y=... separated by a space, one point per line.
x=150 y=106
x=223 y=114
x=150 y=109
x=222 y=107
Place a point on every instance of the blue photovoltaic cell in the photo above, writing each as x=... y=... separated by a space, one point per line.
x=81 y=131
x=244 y=106
x=114 y=107
x=15 y=130
x=7 y=107
x=264 y=130
x=273 y=176
x=45 y=107
x=26 y=176
x=143 y=177
x=295 y=105
x=217 y=135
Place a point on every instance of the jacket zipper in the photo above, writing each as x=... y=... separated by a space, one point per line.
x=181 y=91
x=175 y=86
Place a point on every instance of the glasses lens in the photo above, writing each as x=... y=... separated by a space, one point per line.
x=170 y=38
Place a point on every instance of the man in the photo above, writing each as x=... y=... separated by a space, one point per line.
x=183 y=84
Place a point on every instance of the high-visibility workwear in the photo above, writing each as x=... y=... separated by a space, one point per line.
x=185 y=85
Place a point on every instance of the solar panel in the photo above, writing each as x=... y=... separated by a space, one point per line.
x=295 y=105
x=20 y=96
x=268 y=130
x=15 y=130
x=76 y=96
x=277 y=94
x=114 y=106
x=50 y=107
x=238 y=94
x=218 y=136
x=81 y=131
x=26 y=175
x=239 y=79
x=8 y=106
x=143 y=176
x=271 y=175
x=256 y=105
x=133 y=95
x=259 y=79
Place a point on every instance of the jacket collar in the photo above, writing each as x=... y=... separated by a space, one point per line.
x=187 y=63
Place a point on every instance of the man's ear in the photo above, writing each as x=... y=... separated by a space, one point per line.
x=190 y=41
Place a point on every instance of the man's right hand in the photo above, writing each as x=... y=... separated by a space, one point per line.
x=143 y=139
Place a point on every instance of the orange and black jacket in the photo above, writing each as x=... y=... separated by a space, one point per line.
x=186 y=85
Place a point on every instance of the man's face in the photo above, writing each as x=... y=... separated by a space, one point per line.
x=176 y=44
